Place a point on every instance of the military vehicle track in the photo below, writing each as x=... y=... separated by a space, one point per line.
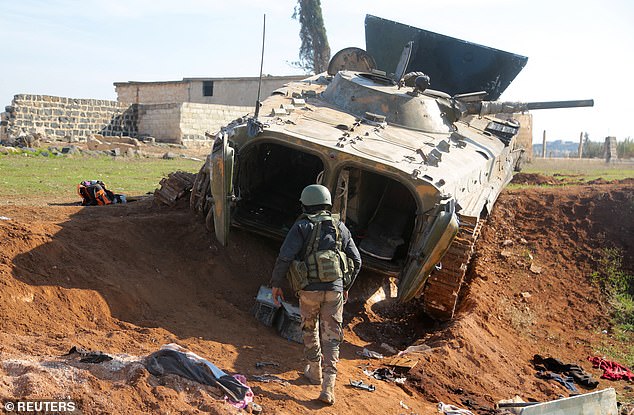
x=440 y=295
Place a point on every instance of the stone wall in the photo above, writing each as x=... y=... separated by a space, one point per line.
x=64 y=118
x=4 y=125
x=71 y=119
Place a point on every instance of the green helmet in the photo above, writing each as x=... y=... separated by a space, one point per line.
x=315 y=194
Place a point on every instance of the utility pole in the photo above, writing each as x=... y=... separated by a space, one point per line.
x=544 y=146
x=580 y=144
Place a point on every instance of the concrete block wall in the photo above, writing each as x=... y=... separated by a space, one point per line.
x=196 y=119
x=161 y=121
x=60 y=117
x=226 y=91
x=152 y=92
x=237 y=91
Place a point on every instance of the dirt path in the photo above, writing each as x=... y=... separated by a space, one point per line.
x=127 y=279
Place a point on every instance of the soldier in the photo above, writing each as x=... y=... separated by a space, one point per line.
x=322 y=263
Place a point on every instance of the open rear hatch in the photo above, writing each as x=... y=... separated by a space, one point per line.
x=455 y=66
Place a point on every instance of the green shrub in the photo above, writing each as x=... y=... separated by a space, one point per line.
x=618 y=286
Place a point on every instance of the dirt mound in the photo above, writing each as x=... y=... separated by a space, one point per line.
x=126 y=279
x=531 y=292
x=600 y=180
x=535 y=179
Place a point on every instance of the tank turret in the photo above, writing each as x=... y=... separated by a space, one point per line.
x=368 y=94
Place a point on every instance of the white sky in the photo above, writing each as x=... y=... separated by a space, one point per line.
x=78 y=48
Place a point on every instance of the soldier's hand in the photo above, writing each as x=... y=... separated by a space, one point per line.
x=345 y=296
x=277 y=293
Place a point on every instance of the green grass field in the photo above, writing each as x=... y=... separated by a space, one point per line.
x=57 y=177
x=22 y=174
x=583 y=170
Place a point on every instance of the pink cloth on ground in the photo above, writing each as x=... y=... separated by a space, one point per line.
x=611 y=370
x=248 y=397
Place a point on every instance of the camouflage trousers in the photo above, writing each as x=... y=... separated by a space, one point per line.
x=322 y=318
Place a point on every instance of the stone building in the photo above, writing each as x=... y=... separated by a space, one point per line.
x=171 y=112
x=239 y=92
x=182 y=111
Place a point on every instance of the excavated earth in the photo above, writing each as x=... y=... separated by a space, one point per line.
x=127 y=279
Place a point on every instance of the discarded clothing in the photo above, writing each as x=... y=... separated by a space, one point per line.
x=266 y=378
x=370 y=354
x=385 y=373
x=550 y=363
x=452 y=409
x=611 y=370
x=579 y=375
x=582 y=377
x=248 y=396
x=192 y=366
x=360 y=385
x=88 y=356
x=568 y=382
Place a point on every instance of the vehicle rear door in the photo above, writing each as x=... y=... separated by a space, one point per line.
x=221 y=173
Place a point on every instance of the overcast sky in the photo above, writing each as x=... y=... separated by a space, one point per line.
x=78 y=48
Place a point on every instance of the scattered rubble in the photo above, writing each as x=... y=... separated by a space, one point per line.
x=98 y=145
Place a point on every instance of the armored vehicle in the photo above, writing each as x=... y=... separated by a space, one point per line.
x=413 y=171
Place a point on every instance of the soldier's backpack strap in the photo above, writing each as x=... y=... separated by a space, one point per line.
x=315 y=235
x=338 y=238
x=323 y=265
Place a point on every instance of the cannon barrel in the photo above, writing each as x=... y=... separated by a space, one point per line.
x=497 y=107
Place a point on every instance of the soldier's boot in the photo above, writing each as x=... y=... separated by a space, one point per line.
x=313 y=372
x=327 y=395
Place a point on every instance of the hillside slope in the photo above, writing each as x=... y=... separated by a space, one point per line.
x=127 y=279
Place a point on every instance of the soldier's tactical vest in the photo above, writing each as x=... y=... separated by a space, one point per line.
x=326 y=265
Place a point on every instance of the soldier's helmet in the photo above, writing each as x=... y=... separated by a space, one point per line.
x=315 y=194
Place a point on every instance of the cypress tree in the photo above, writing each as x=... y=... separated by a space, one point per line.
x=314 y=53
